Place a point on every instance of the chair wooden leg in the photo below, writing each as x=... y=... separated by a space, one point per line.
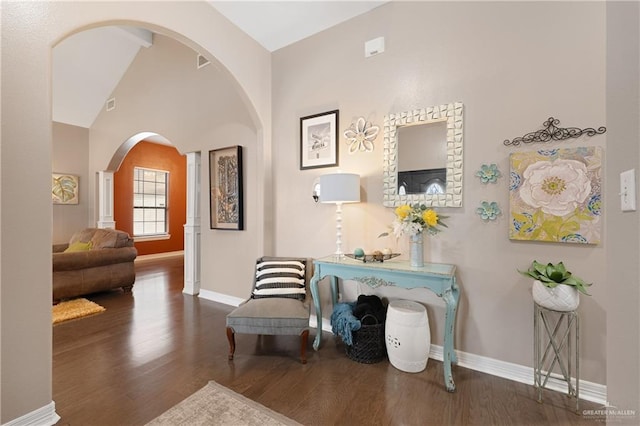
x=304 y=339
x=232 y=342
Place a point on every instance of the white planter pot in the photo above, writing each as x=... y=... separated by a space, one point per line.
x=562 y=297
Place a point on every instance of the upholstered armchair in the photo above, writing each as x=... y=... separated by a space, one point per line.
x=279 y=302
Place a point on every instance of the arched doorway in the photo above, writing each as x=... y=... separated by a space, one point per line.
x=134 y=107
x=29 y=32
x=191 y=225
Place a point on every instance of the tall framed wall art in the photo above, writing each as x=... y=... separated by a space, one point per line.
x=226 y=188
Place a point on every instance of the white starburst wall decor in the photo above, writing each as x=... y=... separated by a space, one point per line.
x=360 y=136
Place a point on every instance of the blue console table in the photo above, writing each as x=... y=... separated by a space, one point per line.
x=437 y=277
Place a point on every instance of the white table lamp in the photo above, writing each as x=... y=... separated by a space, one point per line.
x=339 y=188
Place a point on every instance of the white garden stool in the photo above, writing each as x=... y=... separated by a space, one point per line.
x=408 y=338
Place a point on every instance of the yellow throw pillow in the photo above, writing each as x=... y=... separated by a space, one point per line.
x=78 y=246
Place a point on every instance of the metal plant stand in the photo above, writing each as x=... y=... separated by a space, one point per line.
x=556 y=342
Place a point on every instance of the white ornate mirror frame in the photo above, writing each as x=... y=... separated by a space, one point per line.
x=452 y=197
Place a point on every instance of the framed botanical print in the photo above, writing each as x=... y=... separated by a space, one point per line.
x=64 y=188
x=225 y=188
x=319 y=140
x=555 y=195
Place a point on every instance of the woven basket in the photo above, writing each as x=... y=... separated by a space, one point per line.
x=369 y=345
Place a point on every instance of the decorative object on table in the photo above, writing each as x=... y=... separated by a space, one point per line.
x=225 y=188
x=408 y=337
x=554 y=287
x=376 y=256
x=73 y=309
x=419 y=130
x=488 y=173
x=415 y=221
x=360 y=136
x=358 y=253
x=339 y=188
x=488 y=210
x=556 y=195
x=64 y=188
x=319 y=140
x=552 y=132
x=416 y=250
x=361 y=326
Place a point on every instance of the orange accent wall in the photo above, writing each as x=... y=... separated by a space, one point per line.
x=161 y=157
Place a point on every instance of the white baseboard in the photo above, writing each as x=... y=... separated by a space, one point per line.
x=589 y=391
x=42 y=416
x=159 y=255
x=220 y=298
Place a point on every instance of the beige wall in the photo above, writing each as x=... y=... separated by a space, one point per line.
x=512 y=65
x=29 y=31
x=497 y=58
x=71 y=155
x=623 y=229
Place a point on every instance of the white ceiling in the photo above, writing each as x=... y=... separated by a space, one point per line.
x=88 y=66
x=276 y=24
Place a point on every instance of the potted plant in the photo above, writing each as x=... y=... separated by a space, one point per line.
x=554 y=287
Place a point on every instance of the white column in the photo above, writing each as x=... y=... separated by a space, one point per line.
x=105 y=200
x=192 y=252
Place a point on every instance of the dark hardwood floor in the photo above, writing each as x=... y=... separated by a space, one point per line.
x=154 y=347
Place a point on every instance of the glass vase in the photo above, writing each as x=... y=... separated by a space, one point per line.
x=416 y=250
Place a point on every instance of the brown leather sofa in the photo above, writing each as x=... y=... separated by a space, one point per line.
x=105 y=262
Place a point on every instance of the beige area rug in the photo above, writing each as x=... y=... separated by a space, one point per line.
x=76 y=308
x=216 y=405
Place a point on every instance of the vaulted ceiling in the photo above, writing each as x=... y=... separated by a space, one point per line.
x=88 y=65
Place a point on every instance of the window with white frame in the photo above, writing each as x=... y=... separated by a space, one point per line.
x=150 y=201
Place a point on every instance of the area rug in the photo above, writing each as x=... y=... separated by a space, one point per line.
x=216 y=405
x=72 y=309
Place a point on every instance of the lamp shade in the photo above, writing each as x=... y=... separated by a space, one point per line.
x=340 y=188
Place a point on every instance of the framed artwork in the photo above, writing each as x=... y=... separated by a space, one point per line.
x=64 y=188
x=319 y=140
x=225 y=188
x=555 y=195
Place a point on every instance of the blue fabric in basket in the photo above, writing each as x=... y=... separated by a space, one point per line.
x=343 y=322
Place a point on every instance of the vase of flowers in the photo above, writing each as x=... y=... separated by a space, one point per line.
x=416 y=250
x=415 y=221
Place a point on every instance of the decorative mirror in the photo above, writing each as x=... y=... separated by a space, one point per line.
x=423 y=157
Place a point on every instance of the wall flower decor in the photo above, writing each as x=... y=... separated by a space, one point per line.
x=488 y=210
x=360 y=136
x=488 y=174
x=555 y=195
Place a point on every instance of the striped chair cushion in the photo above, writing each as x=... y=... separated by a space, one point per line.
x=280 y=278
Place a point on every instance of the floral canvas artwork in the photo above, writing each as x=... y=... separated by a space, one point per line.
x=555 y=195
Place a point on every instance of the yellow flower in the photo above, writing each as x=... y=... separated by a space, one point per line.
x=430 y=217
x=403 y=211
